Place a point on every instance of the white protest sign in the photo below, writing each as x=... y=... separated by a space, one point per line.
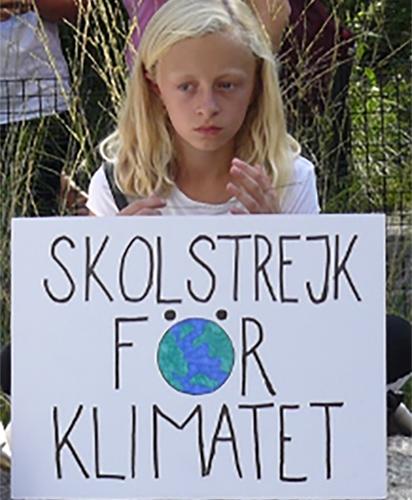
x=199 y=357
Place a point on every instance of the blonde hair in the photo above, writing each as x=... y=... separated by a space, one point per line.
x=142 y=146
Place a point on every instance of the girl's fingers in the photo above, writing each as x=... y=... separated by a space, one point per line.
x=252 y=187
x=140 y=211
x=146 y=206
x=246 y=181
x=238 y=211
x=250 y=204
x=149 y=211
x=257 y=173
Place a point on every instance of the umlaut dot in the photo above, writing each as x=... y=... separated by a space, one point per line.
x=170 y=315
x=221 y=314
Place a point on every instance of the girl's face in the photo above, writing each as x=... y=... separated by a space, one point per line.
x=206 y=85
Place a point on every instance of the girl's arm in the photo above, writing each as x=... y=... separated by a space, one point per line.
x=274 y=15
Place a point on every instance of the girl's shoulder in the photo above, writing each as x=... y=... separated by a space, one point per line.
x=299 y=193
x=101 y=199
x=302 y=169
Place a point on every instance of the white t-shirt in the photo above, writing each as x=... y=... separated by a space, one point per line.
x=299 y=196
x=34 y=77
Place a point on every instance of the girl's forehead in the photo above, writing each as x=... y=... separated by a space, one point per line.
x=214 y=52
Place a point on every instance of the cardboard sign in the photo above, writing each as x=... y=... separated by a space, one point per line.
x=199 y=357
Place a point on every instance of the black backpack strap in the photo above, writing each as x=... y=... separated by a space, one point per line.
x=118 y=196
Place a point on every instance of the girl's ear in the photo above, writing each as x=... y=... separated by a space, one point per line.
x=154 y=87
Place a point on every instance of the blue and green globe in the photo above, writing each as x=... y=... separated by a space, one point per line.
x=195 y=356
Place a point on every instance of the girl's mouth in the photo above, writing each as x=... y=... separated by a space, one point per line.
x=208 y=130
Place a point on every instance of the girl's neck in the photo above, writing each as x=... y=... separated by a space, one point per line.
x=203 y=175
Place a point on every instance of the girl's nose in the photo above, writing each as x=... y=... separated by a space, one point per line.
x=207 y=104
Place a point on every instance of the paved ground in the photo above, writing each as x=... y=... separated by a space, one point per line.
x=400 y=468
x=399 y=471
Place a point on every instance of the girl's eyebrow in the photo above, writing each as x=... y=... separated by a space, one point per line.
x=227 y=72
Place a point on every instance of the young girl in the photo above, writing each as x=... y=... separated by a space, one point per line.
x=202 y=129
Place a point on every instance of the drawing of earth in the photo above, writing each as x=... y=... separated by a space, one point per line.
x=195 y=356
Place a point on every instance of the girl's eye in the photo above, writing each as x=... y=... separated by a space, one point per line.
x=185 y=87
x=226 y=85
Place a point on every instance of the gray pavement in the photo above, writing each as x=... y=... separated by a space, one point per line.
x=399 y=468
x=399 y=471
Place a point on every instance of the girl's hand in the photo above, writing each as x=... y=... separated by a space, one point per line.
x=147 y=206
x=253 y=188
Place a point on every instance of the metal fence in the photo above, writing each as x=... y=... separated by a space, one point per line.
x=380 y=155
x=363 y=155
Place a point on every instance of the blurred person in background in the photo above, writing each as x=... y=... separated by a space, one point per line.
x=34 y=103
x=274 y=15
